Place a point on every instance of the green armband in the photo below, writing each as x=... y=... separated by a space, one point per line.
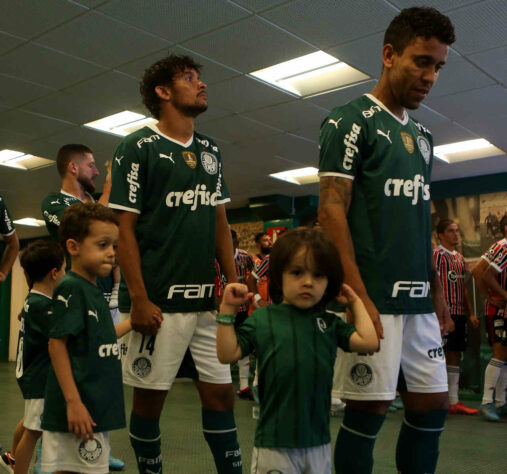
x=228 y=319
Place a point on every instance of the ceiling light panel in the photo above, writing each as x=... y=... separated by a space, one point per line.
x=122 y=123
x=22 y=161
x=298 y=176
x=466 y=150
x=30 y=221
x=312 y=74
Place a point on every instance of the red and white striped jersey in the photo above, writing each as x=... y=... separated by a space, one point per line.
x=244 y=265
x=496 y=256
x=262 y=268
x=450 y=266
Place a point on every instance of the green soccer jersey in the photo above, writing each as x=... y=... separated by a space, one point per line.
x=6 y=225
x=296 y=351
x=52 y=208
x=175 y=188
x=32 y=359
x=389 y=161
x=80 y=312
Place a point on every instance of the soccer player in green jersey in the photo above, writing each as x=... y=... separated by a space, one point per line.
x=11 y=241
x=169 y=192
x=44 y=265
x=375 y=171
x=295 y=341
x=84 y=391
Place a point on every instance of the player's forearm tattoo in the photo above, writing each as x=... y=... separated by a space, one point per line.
x=334 y=190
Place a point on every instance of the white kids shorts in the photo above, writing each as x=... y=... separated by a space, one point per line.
x=33 y=413
x=315 y=460
x=67 y=452
x=185 y=346
x=411 y=342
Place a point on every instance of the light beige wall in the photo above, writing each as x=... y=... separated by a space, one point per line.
x=19 y=290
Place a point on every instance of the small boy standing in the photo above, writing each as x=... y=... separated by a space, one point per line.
x=84 y=392
x=44 y=265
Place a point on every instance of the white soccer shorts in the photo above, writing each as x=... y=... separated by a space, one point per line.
x=412 y=342
x=33 y=413
x=315 y=460
x=67 y=452
x=153 y=362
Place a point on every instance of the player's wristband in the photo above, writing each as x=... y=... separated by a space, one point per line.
x=228 y=319
x=256 y=300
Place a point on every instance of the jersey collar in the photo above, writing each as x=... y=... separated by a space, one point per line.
x=167 y=137
x=380 y=104
x=35 y=292
x=72 y=195
x=452 y=252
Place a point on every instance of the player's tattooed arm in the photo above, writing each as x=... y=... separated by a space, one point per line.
x=334 y=203
x=439 y=303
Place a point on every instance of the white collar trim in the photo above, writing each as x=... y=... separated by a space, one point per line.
x=184 y=145
x=40 y=293
x=452 y=252
x=405 y=114
x=72 y=195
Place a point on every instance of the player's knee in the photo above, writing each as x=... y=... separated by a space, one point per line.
x=376 y=407
x=148 y=403
x=218 y=397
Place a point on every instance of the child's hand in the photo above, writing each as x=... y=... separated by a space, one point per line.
x=79 y=420
x=347 y=295
x=235 y=294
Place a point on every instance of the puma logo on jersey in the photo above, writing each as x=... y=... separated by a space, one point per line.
x=169 y=157
x=55 y=202
x=65 y=300
x=380 y=132
x=335 y=122
x=93 y=314
x=26 y=306
x=118 y=160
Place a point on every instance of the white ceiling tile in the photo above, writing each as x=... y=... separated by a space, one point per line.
x=249 y=45
x=213 y=113
x=243 y=93
x=486 y=20
x=465 y=169
x=483 y=111
x=113 y=90
x=494 y=62
x=85 y=36
x=14 y=91
x=29 y=18
x=64 y=106
x=440 y=5
x=290 y=116
x=364 y=54
x=176 y=20
x=8 y=42
x=47 y=67
x=30 y=124
x=259 y=5
x=235 y=128
x=12 y=139
x=459 y=75
x=310 y=133
x=327 y=23
x=211 y=71
x=342 y=96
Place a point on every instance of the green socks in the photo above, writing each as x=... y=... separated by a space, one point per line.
x=145 y=439
x=353 y=452
x=417 y=448
x=220 y=432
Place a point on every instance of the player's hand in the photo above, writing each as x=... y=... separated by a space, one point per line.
x=474 y=321
x=346 y=296
x=443 y=315
x=3 y=277
x=146 y=317
x=235 y=294
x=79 y=420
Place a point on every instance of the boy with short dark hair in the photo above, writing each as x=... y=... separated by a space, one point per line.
x=84 y=393
x=44 y=265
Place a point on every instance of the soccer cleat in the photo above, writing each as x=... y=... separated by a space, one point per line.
x=488 y=411
x=7 y=462
x=115 y=464
x=461 y=409
x=502 y=410
x=245 y=394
